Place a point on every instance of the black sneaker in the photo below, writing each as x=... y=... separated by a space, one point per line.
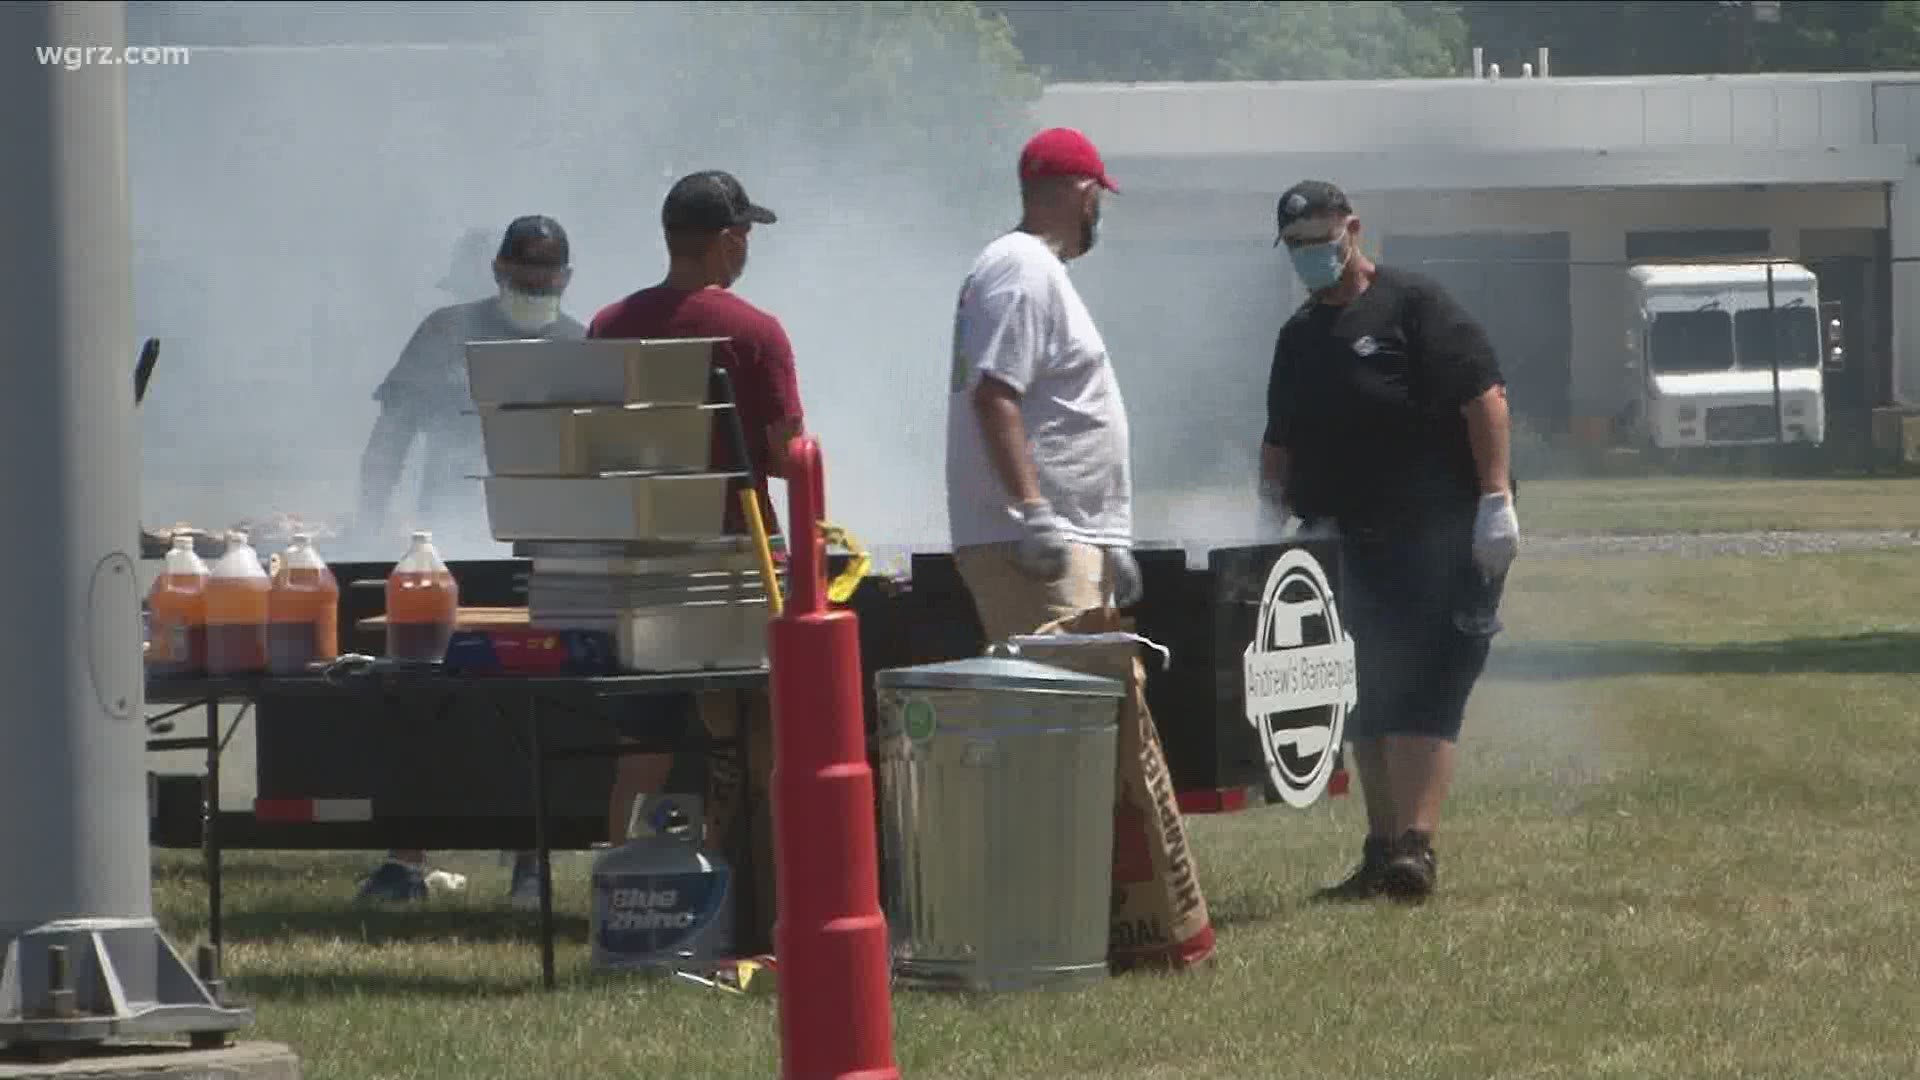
x=394 y=882
x=1412 y=870
x=1368 y=880
x=524 y=893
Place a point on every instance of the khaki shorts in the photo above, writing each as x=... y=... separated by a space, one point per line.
x=1010 y=601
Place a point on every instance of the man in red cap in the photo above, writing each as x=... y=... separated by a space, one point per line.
x=1039 y=479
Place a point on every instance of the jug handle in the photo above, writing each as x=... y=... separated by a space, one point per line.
x=1011 y=646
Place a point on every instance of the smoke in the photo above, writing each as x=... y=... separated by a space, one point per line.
x=300 y=186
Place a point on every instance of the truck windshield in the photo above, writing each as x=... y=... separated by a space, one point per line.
x=1791 y=333
x=1687 y=342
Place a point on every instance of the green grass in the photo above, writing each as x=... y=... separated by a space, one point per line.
x=1681 y=846
x=1717 y=504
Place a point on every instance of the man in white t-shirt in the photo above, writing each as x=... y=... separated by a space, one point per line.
x=1039 y=482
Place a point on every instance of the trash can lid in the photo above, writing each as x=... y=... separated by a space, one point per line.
x=996 y=673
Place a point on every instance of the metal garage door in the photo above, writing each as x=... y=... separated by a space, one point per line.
x=1189 y=293
x=1517 y=286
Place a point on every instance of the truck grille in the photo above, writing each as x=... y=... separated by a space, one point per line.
x=1736 y=422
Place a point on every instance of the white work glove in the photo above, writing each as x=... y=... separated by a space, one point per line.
x=1042 y=551
x=1496 y=534
x=1125 y=572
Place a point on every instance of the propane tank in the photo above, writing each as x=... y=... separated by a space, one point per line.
x=660 y=903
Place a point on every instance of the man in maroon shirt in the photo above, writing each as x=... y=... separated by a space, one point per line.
x=708 y=217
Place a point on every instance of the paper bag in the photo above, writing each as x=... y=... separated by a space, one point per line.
x=1159 y=916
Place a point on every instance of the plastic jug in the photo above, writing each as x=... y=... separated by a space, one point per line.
x=423 y=601
x=659 y=901
x=237 y=599
x=303 y=610
x=177 y=614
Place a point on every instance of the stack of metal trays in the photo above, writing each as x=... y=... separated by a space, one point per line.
x=599 y=440
x=669 y=607
x=599 y=455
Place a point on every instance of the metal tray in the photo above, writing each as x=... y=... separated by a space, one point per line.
x=682 y=637
x=643 y=566
x=601 y=371
x=721 y=549
x=651 y=506
x=568 y=441
x=581 y=594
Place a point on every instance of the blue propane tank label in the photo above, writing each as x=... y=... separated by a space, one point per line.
x=647 y=919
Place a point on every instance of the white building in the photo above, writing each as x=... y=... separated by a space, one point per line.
x=1539 y=190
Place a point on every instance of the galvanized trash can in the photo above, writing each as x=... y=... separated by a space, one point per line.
x=996 y=790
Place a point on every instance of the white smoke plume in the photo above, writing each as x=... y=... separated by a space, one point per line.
x=298 y=199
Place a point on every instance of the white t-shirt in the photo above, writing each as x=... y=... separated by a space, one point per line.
x=1020 y=320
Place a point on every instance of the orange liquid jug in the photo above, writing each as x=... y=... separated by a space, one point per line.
x=237 y=599
x=422 y=602
x=303 y=610
x=177 y=614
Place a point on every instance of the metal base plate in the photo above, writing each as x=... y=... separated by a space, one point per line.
x=90 y=980
x=153 y=1061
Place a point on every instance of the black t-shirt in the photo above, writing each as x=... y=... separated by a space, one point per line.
x=429 y=383
x=1366 y=399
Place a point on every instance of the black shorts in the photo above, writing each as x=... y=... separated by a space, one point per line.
x=1423 y=619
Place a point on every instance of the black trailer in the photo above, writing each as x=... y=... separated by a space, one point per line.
x=454 y=776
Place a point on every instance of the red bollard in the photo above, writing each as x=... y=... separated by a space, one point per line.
x=830 y=938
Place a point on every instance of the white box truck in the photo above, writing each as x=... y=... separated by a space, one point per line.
x=1705 y=342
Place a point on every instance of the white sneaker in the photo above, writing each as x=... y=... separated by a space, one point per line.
x=444 y=881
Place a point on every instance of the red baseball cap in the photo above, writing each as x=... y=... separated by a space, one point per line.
x=1063 y=152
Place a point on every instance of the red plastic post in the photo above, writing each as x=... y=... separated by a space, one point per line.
x=836 y=1009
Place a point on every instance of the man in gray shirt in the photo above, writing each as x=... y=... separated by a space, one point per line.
x=426 y=395
x=1039 y=481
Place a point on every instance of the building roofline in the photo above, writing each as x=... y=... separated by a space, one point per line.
x=1507 y=83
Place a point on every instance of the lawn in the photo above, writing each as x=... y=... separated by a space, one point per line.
x=1614 y=506
x=1681 y=846
x=1718 y=504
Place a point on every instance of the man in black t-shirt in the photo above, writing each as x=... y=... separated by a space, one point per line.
x=1387 y=425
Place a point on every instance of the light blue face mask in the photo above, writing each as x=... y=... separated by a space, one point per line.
x=1319 y=265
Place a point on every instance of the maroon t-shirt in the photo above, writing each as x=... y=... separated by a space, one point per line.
x=757 y=356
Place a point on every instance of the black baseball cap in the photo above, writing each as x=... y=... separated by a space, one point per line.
x=710 y=201
x=1307 y=200
x=527 y=235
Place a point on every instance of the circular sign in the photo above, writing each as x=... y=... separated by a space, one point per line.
x=1299 y=677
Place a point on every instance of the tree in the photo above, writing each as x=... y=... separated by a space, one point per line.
x=1212 y=41
x=1589 y=37
x=921 y=91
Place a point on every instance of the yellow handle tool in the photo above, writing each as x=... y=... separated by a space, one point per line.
x=750 y=506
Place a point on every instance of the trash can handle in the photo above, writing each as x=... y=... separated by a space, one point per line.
x=1011 y=646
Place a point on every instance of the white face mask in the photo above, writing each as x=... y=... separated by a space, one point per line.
x=527 y=311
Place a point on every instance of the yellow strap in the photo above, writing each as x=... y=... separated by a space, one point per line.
x=842 y=587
